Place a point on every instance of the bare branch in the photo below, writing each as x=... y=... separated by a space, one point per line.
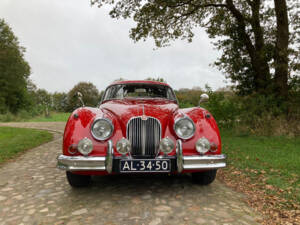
x=213 y=5
x=249 y=2
x=190 y=2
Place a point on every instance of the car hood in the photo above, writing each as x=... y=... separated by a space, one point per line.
x=124 y=110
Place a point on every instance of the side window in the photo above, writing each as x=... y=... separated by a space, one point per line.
x=107 y=93
x=119 y=94
x=170 y=94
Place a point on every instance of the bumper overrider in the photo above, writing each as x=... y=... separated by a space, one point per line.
x=106 y=163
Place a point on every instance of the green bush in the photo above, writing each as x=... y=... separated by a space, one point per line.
x=225 y=109
x=255 y=114
x=22 y=115
x=7 y=117
x=185 y=105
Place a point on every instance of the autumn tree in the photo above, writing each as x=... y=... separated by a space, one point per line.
x=259 y=39
x=89 y=92
x=14 y=71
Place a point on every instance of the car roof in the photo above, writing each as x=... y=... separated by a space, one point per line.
x=138 y=82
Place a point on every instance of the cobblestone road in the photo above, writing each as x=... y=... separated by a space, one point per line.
x=33 y=191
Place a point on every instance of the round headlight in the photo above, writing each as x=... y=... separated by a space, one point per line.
x=184 y=128
x=102 y=129
x=166 y=145
x=202 y=145
x=123 y=146
x=85 y=146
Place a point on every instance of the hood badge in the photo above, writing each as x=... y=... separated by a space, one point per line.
x=144 y=117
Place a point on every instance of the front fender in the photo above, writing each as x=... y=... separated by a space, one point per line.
x=206 y=126
x=78 y=127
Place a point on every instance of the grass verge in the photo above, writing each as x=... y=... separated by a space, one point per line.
x=26 y=117
x=54 y=117
x=14 y=141
x=267 y=169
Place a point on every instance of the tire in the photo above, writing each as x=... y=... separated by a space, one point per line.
x=204 y=178
x=76 y=180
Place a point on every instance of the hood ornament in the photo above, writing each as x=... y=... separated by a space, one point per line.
x=144 y=117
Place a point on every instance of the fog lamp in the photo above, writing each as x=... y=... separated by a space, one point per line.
x=202 y=145
x=166 y=145
x=85 y=146
x=123 y=146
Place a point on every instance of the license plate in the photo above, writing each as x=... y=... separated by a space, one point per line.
x=145 y=165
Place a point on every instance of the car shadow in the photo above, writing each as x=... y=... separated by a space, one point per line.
x=120 y=189
x=142 y=180
x=136 y=184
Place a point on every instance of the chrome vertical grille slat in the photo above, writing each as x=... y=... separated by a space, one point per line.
x=144 y=135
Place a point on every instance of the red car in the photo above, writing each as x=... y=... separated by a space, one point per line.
x=139 y=128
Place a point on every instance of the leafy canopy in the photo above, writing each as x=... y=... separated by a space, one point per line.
x=14 y=71
x=245 y=32
x=90 y=94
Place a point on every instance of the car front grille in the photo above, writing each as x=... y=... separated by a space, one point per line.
x=144 y=135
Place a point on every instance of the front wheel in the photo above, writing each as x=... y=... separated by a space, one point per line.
x=76 y=180
x=205 y=177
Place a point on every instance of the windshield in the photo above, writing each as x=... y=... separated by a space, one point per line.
x=122 y=91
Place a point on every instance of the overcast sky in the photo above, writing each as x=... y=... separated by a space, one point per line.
x=70 y=41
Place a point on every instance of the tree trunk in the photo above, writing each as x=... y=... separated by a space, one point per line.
x=281 y=50
x=261 y=74
x=259 y=63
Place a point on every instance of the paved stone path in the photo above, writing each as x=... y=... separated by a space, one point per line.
x=33 y=191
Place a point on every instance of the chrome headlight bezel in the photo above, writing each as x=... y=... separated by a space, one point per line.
x=110 y=124
x=192 y=123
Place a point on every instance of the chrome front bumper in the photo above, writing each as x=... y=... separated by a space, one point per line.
x=196 y=162
x=85 y=163
x=80 y=163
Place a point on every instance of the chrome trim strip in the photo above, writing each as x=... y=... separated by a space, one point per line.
x=143 y=131
x=204 y=162
x=80 y=163
x=179 y=159
x=144 y=110
x=109 y=156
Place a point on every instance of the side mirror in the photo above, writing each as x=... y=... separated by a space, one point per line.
x=203 y=98
x=79 y=95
